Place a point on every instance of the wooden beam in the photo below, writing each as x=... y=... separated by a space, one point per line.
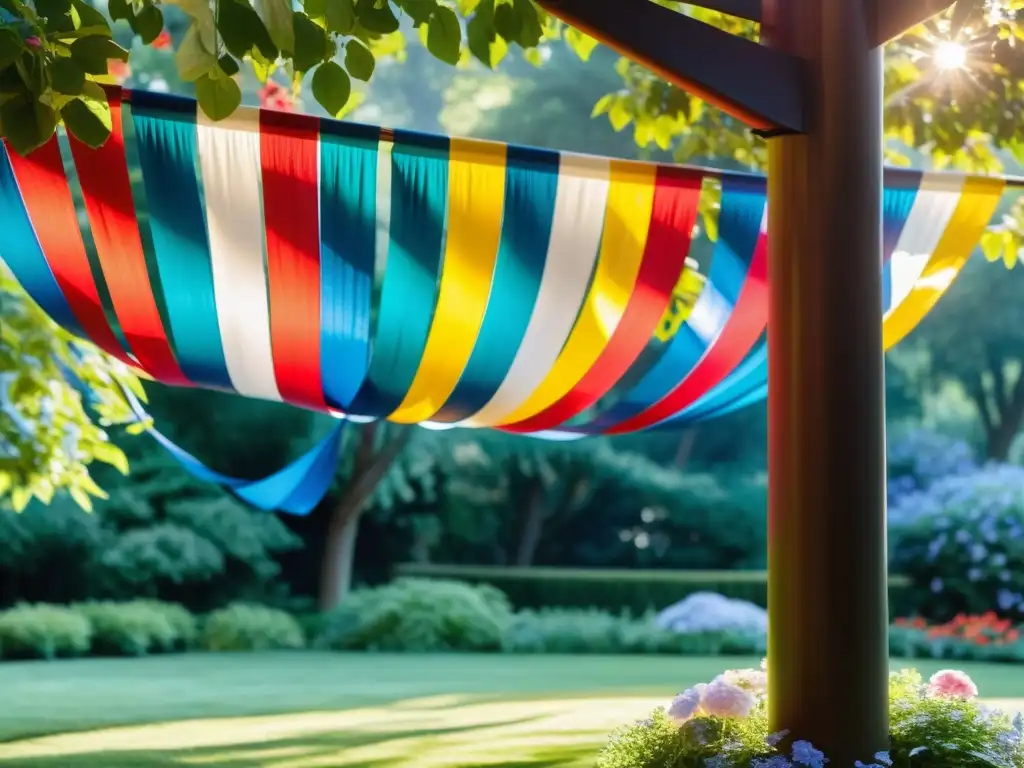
x=761 y=86
x=888 y=19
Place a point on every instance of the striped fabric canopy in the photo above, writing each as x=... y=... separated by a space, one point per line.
x=387 y=274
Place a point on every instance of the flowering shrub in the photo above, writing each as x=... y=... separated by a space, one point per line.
x=724 y=724
x=962 y=543
x=710 y=612
x=919 y=457
x=978 y=638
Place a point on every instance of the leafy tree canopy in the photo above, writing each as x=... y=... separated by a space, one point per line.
x=48 y=437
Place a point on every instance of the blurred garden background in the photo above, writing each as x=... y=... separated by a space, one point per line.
x=466 y=598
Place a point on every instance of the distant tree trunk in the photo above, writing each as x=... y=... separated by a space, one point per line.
x=343 y=528
x=685 y=449
x=533 y=525
x=576 y=492
x=1001 y=409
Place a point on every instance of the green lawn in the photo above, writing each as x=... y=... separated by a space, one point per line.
x=313 y=710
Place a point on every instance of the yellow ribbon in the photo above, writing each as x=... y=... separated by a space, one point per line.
x=476 y=201
x=627 y=218
x=978 y=202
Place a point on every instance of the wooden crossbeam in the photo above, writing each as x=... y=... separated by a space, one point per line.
x=891 y=18
x=761 y=86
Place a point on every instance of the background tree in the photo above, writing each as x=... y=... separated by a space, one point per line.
x=988 y=361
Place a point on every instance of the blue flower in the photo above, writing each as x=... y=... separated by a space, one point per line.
x=917 y=751
x=716 y=762
x=936 y=585
x=775 y=761
x=805 y=753
x=883 y=758
x=774 y=739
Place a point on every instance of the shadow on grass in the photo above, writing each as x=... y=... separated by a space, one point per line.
x=470 y=747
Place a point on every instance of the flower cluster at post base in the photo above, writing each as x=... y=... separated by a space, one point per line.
x=938 y=723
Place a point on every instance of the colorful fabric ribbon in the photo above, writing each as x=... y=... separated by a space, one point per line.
x=451 y=282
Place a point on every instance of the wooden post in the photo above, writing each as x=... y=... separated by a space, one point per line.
x=827 y=649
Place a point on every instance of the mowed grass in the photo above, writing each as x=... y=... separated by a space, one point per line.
x=314 y=710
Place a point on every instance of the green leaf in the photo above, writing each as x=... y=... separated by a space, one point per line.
x=419 y=11
x=81 y=498
x=27 y=124
x=11 y=47
x=278 y=17
x=603 y=105
x=218 y=95
x=242 y=31
x=88 y=117
x=380 y=20
x=507 y=21
x=310 y=44
x=57 y=14
x=67 y=77
x=192 y=57
x=228 y=65
x=530 y=30
x=580 y=44
x=148 y=23
x=261 y=67
x=358 y=60
x=202 y=17
x=331 y=87
x=92 y=54
x=480 y=33
x=340 y=16
x=119 y=10
x=444 y=35
x=87 y=16
x=136 y=428
x=20 y=497
x=315 y=9
x=110 y=454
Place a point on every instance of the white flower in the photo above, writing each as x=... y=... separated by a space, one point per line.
x=753 y=680
x=686 y=705
x=723 y=699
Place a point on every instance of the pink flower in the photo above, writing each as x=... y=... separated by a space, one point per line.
x=33 y=41
x=686 y=705
x=723 y=699
x=952 y=683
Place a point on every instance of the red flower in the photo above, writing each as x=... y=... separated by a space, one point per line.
x=163 y=41
x=275 y=96
x=118 y=70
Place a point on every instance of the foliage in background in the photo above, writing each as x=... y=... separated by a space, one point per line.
x=48 y=437
x=165 y=536
x=43 y=631
x=617 y=589
x=249 y=627
x=961 y=542
x=418 y=616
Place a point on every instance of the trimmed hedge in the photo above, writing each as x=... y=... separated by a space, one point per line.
x=615 y=590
